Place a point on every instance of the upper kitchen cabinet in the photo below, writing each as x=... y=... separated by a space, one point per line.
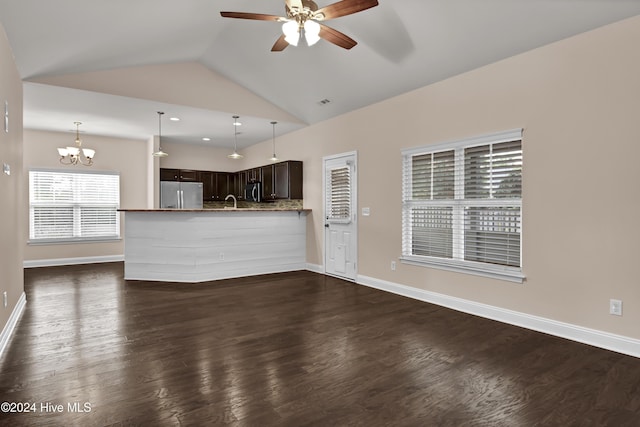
x=189 y=175
x=254 y=175
x=215 y=185
x=240 y=184
x=282 y=180
x=186 y=175
x=169 y=174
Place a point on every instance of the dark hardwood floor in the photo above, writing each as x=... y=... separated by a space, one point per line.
x=293 y=349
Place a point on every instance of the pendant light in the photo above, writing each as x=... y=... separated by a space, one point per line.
x=160 y=153
x=73 y=155
x=274 y=158
x=235 y=154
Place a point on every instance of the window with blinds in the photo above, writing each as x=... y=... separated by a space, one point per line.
x=73 y=206
x=339 y=200
x=462 y=204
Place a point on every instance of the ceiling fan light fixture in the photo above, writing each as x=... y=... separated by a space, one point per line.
x=311 y=32
x=291 y=31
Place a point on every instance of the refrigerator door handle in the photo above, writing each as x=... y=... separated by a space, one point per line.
x=181 y=199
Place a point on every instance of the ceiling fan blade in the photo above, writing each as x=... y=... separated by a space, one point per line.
x=343 y=8
x=254 y=16
x=280 y=44
x=336 y=37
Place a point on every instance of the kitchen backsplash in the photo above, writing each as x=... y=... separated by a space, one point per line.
x=277 y=204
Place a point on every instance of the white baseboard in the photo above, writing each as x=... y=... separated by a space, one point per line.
x=71 y=261
x=7 y=331
x=608 y=341
x=316 y=268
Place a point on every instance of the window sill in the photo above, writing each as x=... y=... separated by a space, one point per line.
x=36 y=242
x=485 y=270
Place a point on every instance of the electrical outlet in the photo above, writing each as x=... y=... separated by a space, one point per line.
x=615 y=307
x=4 y=299
x=393 y=266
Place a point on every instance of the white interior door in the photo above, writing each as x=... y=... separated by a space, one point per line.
x=340 y=216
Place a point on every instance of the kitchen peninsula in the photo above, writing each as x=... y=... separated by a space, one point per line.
x=181 y=245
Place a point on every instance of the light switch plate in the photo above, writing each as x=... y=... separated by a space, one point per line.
x=366 y=211
x=6 y=169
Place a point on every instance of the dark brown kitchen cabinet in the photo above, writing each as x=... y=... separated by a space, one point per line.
x=231 y=184
x=267 y=183
x=169 y=174
x=254 y=175
x=215 y=185
x=282 y=181
x=207 y=185
x=240 y=184
x=186 y=175
x=222 y=185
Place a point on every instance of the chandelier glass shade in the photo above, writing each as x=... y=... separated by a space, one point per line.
x=76 y=155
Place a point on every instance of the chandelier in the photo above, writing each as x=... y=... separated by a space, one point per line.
x=76 y=155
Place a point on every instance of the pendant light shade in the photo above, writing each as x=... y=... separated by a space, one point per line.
x=274 y=158
x=235 y=154
x=160 y=153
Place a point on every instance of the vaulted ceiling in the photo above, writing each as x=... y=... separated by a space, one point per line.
x=114 y=64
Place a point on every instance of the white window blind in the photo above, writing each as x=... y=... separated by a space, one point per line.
x=462 y=205
x=73 y=206
x=339 y=200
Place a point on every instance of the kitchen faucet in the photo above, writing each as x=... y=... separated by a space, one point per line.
x=235 y=201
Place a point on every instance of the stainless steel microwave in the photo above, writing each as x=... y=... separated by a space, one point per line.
x=253 y=192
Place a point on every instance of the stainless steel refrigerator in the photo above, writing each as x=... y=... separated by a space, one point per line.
x=180 y=195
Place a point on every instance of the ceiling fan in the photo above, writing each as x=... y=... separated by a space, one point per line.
x=302 y=18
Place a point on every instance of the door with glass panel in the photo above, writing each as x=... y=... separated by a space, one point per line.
x=340 y=216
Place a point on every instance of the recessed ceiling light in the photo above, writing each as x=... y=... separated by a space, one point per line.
x=174 y=119
x=206 y=139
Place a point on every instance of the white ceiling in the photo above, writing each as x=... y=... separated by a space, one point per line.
x=403 y=45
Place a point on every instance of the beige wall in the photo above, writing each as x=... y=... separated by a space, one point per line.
x=12 y=222
x=578 y=102
x=199 y=157
x=129 y=157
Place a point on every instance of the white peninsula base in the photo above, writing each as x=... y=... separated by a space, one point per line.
x=203 y=245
